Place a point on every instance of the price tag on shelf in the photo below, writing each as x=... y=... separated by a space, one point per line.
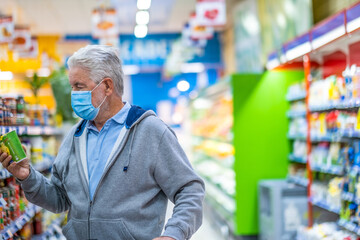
x=9 y=233
x=3 y=202
x=18 y=224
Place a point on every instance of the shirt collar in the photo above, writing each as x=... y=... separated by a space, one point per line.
x=119 y=117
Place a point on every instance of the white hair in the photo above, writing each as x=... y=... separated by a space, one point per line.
x=102 y=62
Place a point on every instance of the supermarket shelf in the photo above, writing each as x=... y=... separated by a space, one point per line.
x=294 y=158
x=350 y=197
x=298 y=97
x=218 y=186
x=222 y=201
x=30 y=130
x=295 y=114
x=52 y=229
x=213 y=139
x=335 y=137
x=350 y=226
x=324 y=205
x=227 y=162
x=345 y=104
x=19 y=223
x=301 y=181
x=45 y=164
x=335 y=170
x=4 y=174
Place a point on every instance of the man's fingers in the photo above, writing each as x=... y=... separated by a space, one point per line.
x=24 y=148
x=6 y=162
x=3 y=156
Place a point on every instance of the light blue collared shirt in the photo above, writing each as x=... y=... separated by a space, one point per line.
x=100 y=145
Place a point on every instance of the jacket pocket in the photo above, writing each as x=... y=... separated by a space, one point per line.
x=110 y=230
x=75 y=229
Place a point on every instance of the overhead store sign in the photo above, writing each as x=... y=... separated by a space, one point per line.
x=21 y=39
x=211 y=12
x=32 y=52
x=149 y=51
x=6 y=29
x=198 y=30
x=104 y=23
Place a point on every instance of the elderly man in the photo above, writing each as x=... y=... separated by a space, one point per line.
x=117 y=168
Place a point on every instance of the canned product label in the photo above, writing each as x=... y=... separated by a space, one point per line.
x=12 y=142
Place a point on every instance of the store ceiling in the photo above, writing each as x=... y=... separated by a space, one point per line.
x=74 y=16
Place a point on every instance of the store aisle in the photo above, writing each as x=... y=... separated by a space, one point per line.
x=206 y=231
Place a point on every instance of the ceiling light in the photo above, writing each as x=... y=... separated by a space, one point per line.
x=183 y=86
x=6 y=75
x=143 y=4
x=192 y=67
x=43 y=72
x=131 y=69
x=140 y=31
x=142 y=17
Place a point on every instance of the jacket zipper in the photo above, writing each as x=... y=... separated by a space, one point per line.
x=109 y=166
x=89 y=211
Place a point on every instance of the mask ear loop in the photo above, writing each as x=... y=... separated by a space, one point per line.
x=102 y=102
x=97 y=85
x=105 y=96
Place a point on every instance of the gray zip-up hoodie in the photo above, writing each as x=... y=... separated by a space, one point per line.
x=147 y=168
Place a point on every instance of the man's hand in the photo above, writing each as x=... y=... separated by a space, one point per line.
x=163 y=238
x=19 y=170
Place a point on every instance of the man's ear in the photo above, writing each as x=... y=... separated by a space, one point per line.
x=109 y=86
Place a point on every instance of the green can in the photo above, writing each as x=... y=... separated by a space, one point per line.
x=12 y=142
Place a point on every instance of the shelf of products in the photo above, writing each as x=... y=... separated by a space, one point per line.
x=30 y=130
x=33 y=125
x=297 y=159
x=213 y=150
x=301 y=181
x=328 y=230
x=296 y=92
x=9 y=231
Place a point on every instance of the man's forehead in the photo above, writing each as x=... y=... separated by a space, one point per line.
x=78 y=75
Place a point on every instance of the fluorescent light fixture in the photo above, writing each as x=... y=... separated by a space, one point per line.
x=140 y=31
x=183 y=86
x=177 y=118
x=298 y=51
x=142 y=17
x=272 y=64
x=6 y=76
x=143 y=4
x=202 y=103
x=192 y=67
x=131 y=69
x=353 y=25
x=43 y=72
x=328 y=37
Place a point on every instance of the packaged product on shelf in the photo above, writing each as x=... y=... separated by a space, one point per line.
x=299 y=148
x=328 y=231
x=36 y=149
x=297 y=127
x=20 y=111
x=296 y=90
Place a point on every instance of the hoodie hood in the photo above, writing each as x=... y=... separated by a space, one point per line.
x=136 y=114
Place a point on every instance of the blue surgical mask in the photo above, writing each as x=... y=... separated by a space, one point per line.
x=82 y=105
